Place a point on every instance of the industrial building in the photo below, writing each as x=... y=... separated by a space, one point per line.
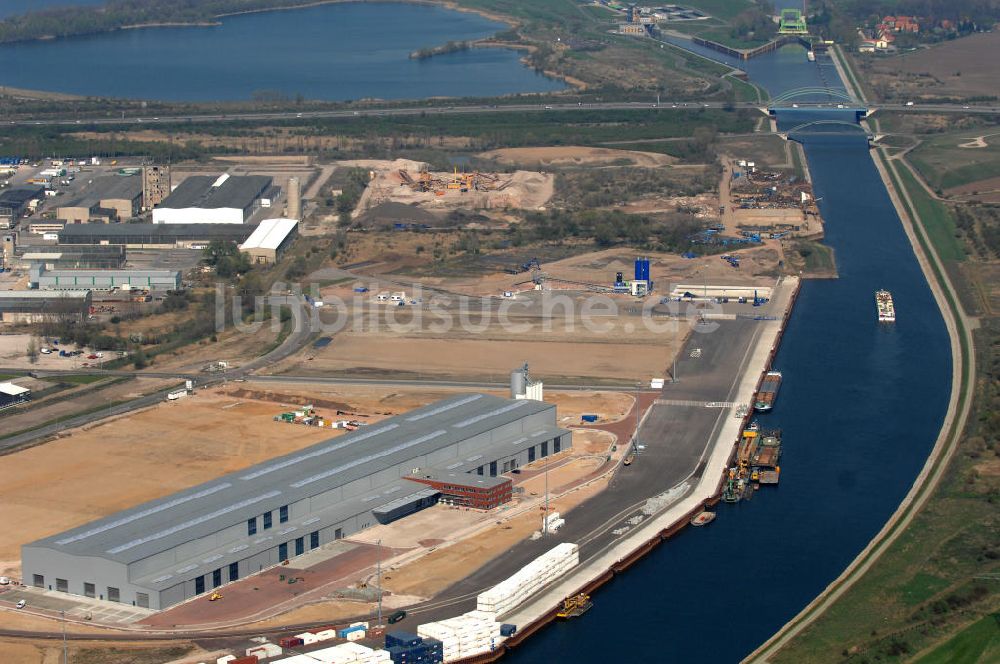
x=203 y=199
x=105 y=199
x=154 y=280
x=465 y=489
x=154 y=236
x=74 y=257
x=180 y=546
x=155 y=185
x=42 y=306
x=270 y=239
x=12 y=395
x=15 y=202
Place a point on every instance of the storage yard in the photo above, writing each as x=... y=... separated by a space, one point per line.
x=411 y=183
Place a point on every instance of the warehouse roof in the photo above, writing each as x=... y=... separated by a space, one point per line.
x=197 y=512
x=114 y=186
x=13 y=390
x=457 y=477
x=162 y=230
x=42 y=295
x=206 y=191
x=270 y=234
x=100 y=273
x=20 y=195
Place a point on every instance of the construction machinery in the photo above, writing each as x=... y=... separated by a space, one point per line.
x=214 y=597
x=575 y=606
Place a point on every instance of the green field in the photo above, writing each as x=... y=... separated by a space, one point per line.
x=936 y=219
x=943 y=164
x=724 y=9
x=979 y=642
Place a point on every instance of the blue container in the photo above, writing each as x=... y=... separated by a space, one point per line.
x=507 y=629
x=589 y=418
x=401 y=639
x=642 y=269
x=342 y=633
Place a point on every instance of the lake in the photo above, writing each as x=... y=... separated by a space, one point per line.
x=331 y=52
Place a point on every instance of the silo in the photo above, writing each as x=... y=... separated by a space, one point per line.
x=294 y=204
x=519 y=382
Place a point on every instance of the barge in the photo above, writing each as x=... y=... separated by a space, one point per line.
x=768 y=392
x=885 y=307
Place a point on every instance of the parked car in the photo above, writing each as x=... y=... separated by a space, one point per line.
x=21 y=604
x=91 y=357
x=45 y=351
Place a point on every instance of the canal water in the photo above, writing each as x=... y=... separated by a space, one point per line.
x=332 y=52
x=860 y=407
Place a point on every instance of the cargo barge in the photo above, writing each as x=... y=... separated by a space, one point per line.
x=757 y=462
x=768 y=392
x=885 y=307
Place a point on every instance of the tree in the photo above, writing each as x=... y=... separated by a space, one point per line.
x=32 y=350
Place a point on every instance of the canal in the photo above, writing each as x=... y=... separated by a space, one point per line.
x=860 y=407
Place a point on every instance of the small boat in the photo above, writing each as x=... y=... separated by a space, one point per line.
x=575 y=606
x=811 y=56
x=703 y=519
x=885 y=307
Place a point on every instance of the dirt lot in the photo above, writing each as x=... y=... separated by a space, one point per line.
x=488 y=356
x=521 y=189
x=107 y=467
x=966 y=67
x=576 y=156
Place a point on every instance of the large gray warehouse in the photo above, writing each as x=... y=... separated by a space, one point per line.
x=177 y=547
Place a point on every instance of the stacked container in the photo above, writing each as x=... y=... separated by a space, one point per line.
x=345 y=653
x=554 y=522
x=470 y=634
x=406 y=648
x=519 y=588
x=264 y=650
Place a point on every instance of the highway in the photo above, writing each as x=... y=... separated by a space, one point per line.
x=479 y=109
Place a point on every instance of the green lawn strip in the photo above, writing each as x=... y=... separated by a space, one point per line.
x=969 y=645
x=936 y=220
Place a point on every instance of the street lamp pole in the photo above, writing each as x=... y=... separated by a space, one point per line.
x=65 y=650
x=635 y=438
x=378 y=576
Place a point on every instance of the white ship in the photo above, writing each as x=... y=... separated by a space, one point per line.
x=885 y=306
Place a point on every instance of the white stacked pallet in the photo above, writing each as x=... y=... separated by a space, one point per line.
x=308 y=638
x=469 y=634
x=515 y=590
x=264 y=650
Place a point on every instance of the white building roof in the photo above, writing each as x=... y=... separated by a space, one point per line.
x=270 y=234
x=12 y=390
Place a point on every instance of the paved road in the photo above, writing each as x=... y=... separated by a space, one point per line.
x=456 y=110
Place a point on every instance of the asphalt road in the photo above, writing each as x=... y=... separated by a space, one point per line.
x=493 y=108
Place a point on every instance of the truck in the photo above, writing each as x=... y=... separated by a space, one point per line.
x=176 y=394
